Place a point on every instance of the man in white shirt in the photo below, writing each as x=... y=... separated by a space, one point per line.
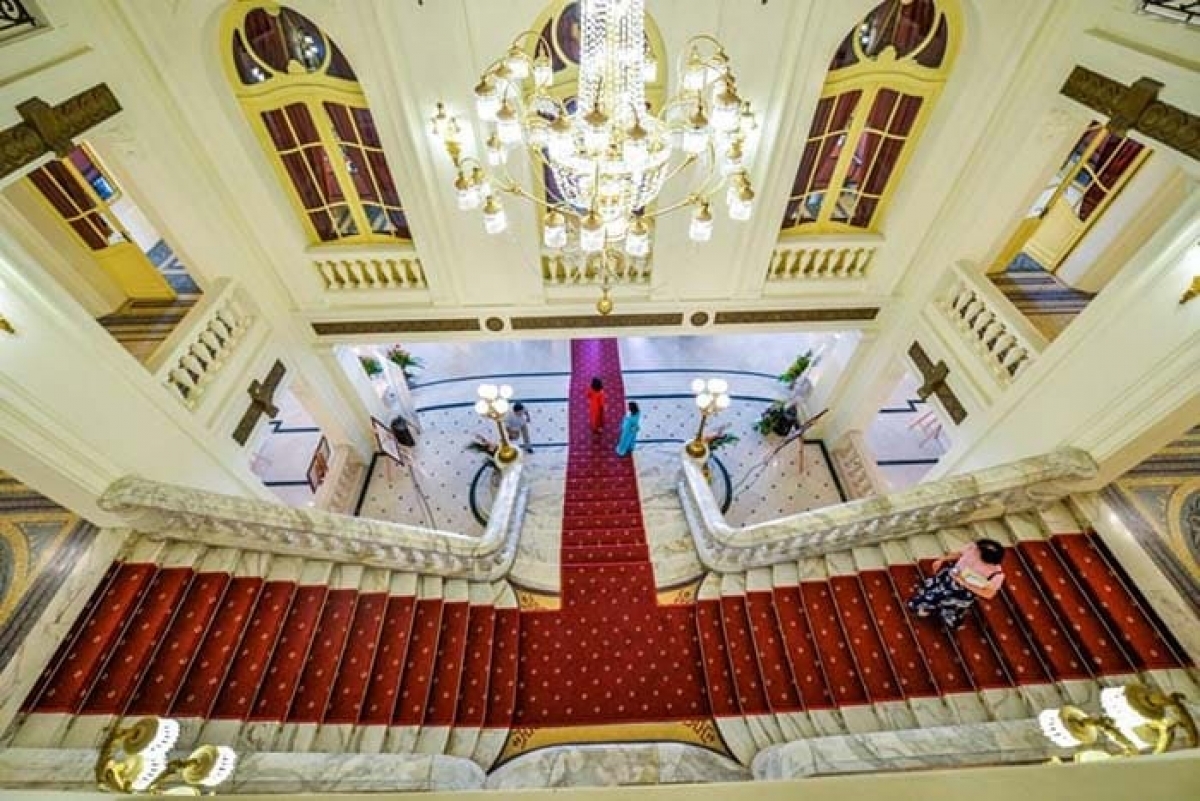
x=516 y=424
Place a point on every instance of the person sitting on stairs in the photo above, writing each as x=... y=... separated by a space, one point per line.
x=959 y=579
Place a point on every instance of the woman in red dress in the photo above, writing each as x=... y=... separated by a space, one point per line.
x=595 y=399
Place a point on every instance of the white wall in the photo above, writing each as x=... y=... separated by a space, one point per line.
x=1129 y=361
x=77 y=411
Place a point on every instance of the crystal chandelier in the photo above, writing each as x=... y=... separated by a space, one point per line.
x=609 y=154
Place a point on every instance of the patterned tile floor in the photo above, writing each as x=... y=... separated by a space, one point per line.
x=768 y=481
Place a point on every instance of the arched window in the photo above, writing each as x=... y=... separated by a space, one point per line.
x=881 y=84
x=305 y=104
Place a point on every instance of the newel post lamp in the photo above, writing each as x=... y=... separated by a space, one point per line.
x=493 y=403
x=1136 y=718
x=712 y=396
x=135 y=760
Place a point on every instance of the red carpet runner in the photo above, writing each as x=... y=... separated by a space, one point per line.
x=611 y=655
x=613 y=663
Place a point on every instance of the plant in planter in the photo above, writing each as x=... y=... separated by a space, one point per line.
x=778 y=419
x=482 y=445
x=802 y=363
x=371 y=366
x=719 y=439
x=405 y=361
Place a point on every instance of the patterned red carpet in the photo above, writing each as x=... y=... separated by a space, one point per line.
x=611 y=655
x=613 y=663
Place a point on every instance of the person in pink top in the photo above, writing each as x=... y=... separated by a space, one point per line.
x=959 y=579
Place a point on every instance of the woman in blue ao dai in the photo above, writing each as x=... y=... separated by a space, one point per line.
x=629 y=430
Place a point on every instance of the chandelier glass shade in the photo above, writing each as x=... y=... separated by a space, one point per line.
x=608 y=153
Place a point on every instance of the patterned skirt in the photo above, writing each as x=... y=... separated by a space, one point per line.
x=940 y=594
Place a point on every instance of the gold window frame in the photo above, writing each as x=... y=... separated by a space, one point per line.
x=870 y=76
x=280 y=89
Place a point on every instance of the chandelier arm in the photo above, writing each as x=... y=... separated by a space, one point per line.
x=1184 y=719
x=526 y=34
x=692 y=197
x=106 y=767
x=708 y=39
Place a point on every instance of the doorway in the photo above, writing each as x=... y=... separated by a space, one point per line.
x=113 y=260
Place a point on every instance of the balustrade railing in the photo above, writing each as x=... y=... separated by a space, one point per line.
x=812 y=258
x=984 y=494
x=193 y=355
x=989 y=324
x=179 y=513
x=559 y=270
x=855 y=467
x=369 y=270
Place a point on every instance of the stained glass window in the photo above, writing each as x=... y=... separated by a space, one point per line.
x=881 y=81
x=323 y=140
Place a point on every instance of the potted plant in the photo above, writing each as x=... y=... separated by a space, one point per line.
x=483 y=445
x=802 y=363
x=719 y=439
x=405 y=361
x=371 y=366
x=777 y=419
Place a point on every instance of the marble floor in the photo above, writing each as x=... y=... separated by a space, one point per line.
x=768 y=480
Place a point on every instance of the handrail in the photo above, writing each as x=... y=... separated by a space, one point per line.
x=981 y=495
x=173 y=512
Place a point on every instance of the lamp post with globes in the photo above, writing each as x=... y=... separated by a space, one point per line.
x=493 y=403
x=712 y=396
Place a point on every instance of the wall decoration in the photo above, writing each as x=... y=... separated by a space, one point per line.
x=318 y=466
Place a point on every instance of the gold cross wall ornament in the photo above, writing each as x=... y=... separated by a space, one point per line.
x=45 y=128
x=1135 y=108
x=262 y=395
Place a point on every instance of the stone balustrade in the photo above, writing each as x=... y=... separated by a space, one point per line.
x=560 y=270
x=370 y=270
x=174 y=512
x=809 y=258
x=989 y=324
x=856 y=467
x=193 y=355
x=982 y=495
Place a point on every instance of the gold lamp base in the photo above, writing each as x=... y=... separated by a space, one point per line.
x=506 y=453
x=696 y=449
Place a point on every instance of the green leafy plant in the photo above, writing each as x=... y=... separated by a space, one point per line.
x=802 y=363
x=483 y=445
x=719 y=439
x=405 y=361
x=371 y=366
x=777 y=419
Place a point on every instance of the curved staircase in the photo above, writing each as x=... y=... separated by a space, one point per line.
x=344 y=636
x=279 y=653
x=824 y=646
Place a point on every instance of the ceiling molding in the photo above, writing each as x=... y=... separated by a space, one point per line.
x=760 y=316
x=395 y=326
